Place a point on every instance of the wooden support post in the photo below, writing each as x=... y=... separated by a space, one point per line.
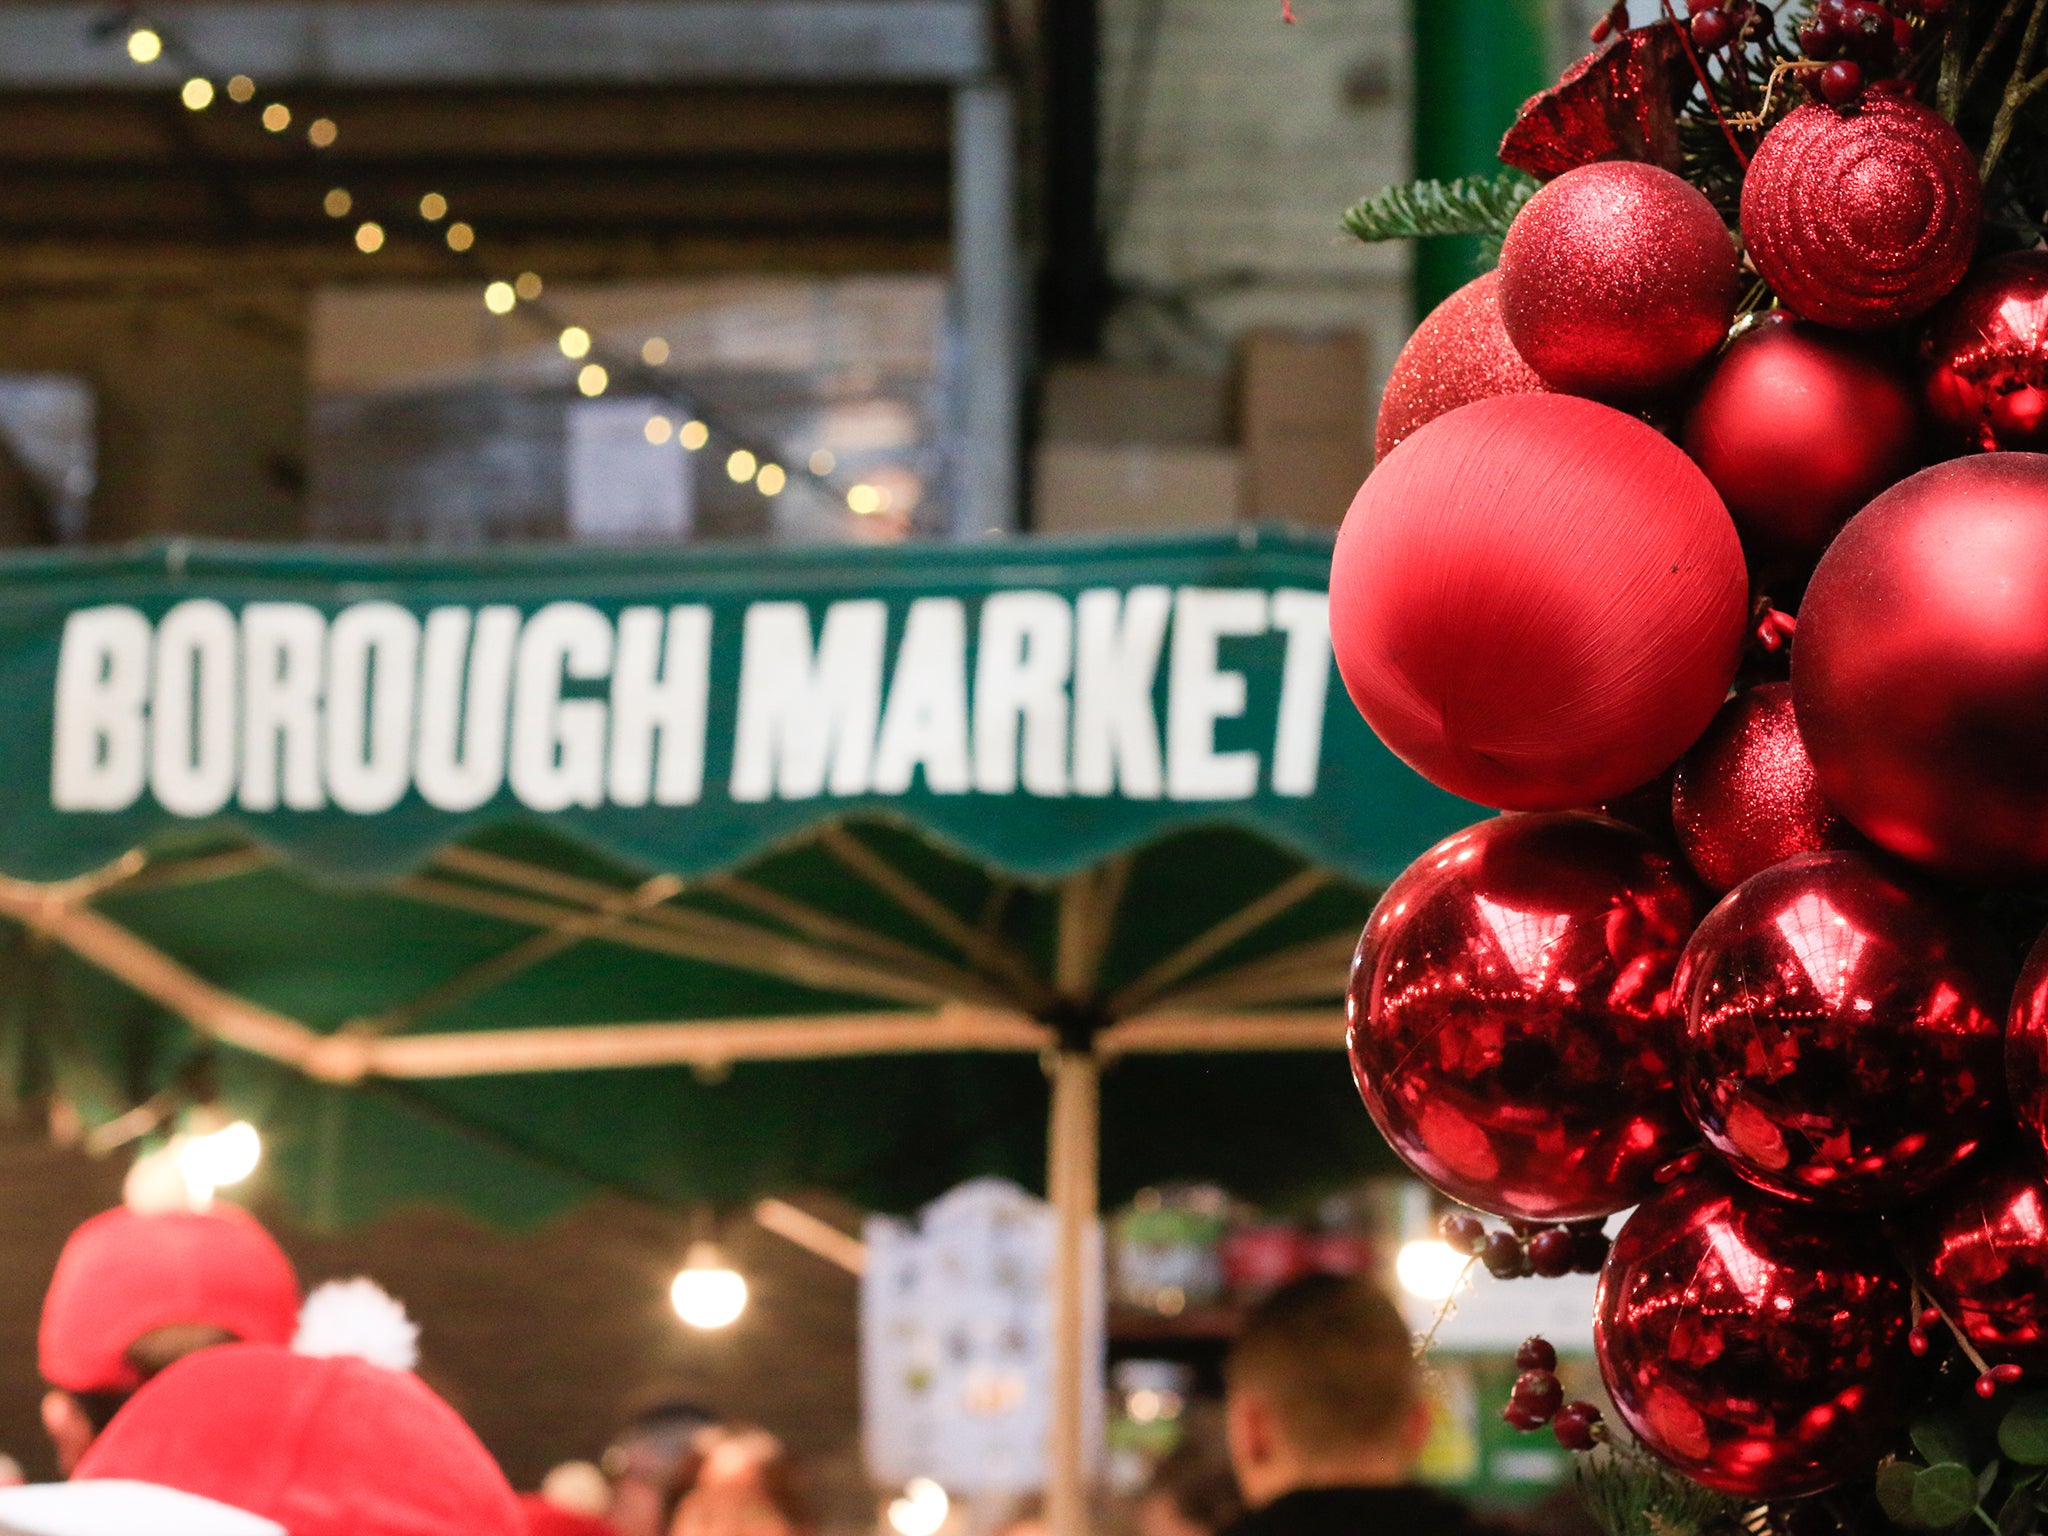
x=1071 y=1182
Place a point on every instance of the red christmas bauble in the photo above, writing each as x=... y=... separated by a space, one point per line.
x=2026 y=1050
x=1756 y=1347
x=1746 y=797
x=1986 y=352
x=1921 y=669
x=1981 y=1251
x=1845 y=1033
x=1798 y=427
x=1460 y=353
x=1617 y=280
x=1537 y=602
x=1862 y=219
x=1511 y=1021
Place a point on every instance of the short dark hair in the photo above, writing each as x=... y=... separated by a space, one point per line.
x=149 y=1356
x=1333 y=1356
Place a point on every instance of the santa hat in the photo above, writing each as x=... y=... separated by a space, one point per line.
x=126 y=1272
x=320 y=1446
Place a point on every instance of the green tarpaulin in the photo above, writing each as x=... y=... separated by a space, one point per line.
x=498 y=877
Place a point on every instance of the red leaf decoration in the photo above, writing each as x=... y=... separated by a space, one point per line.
x=1620 y=102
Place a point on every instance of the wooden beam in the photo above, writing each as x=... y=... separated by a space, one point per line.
x=813 y=1235
x=1240 y=924
x=1171 y=1031
x=705 y=1043
x=1072 y=1184
x=1303 y=973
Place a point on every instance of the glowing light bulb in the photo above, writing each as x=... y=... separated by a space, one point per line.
x=659 y=430
x=277 y=117
x=499 y=298
x=593 y=380
x=433 y=206
x=338 y=203
x=693 y=435
x=370 y=237
x=197 y=93
x=1429 y=1270
x=740 y=465
x=216 y=1159
x=922 y=1509
x=574 y=342
x=460 y=237
x=824 y=461
x=322 y=132
x=241 y=89
x=771 y=480
x=708 y=1293
x=864 y=499
x=144 y=46
x=527 y=285
x=654 y=351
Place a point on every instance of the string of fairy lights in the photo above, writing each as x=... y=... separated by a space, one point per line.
x=684 y=420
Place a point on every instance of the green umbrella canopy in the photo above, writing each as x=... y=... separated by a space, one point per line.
x=696 y=875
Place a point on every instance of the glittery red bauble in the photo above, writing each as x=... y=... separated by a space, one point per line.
x=1459 y=354
x=1512 y=1026
x=2026 y=1050
x=1745 y=797
x=1537 y=602
x=1986 y=352
x=1981 y=1251
x=1862 y=219
x=1617 y=280
x=1798 y=427
x=1845 y=1033
x=1921 y=668
x=1756 y=1347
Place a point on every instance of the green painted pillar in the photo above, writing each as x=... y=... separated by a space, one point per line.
x=1476 y=61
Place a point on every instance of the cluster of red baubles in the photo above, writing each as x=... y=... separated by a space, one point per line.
x=1731 y=966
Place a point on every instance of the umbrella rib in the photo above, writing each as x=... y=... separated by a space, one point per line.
x=1172 y=1030
x=701 y=937
x=984 y=949
x=1305 y=971
x=496 y=970
x=806 y=918
x=1089 y=903
x=1198 y=951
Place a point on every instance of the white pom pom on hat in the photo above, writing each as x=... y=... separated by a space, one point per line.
x=357 y=1317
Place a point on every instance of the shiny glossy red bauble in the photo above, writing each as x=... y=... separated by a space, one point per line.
x=1797 y=428
x=2026 y=1051
x=1845 y=1033
x=1746 y=796
x=1537 y=602
x=1864 y=218
x=1617 y=280
x=1981 y=1251
x=1460 y=353
x=1920 y=673
x=1986 y=353
x=1756 y=1347
x=1511 y=1023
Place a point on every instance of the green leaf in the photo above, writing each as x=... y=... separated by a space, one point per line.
x=2023 y=1432
x=1468 y=205
x=2018 y=1517
x=1943 y=1494
x=1941 y=1437
x=1895 y=1481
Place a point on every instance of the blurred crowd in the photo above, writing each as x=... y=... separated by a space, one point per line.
x=193 y=1391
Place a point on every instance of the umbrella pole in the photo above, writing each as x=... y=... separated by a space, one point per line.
x=1071 y=1180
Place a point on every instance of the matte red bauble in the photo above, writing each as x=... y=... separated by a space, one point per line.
x=1862 y=219
x=1537 y=602
x=1459 y=354
x=1756 y=1347
x=1617 y=280
x=1981 y=1251
x=1986 y=352
x=1845 y=1034
x=2026 y=1050
x=1921 y=669
x=1798 y=427
x=1511 y=1021
x=1746 y=797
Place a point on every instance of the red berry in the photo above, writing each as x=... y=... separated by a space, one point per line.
x=1503 y=1256
x=1841 y=82
x=1539 y=1393
x=1521 y=1418
x=1574 y=1424
x=2007 y=1375
x=1712 y=30
x=1550 y=1253
x=1463 y=1234
x=1902 y=34
x=1918 y=1342
x=1930 y=1317
x=1987 y=1385
x=1589 y=1252
x=1536 y=1354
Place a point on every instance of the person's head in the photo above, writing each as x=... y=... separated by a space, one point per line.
x=651 y=1462
x=746 y=1485
x=1192 y=1492
x=249 y=1437
x=1322 y=1391
x=133 y=1293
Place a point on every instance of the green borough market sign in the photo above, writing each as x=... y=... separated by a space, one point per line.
x=1039 y=705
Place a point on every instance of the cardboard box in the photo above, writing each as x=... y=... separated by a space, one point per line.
x=1106 y=403
x=1100 y=488
x=1305 y=407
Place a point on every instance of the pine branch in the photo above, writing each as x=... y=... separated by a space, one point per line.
x=1469 y=205
x=1628 y=1494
